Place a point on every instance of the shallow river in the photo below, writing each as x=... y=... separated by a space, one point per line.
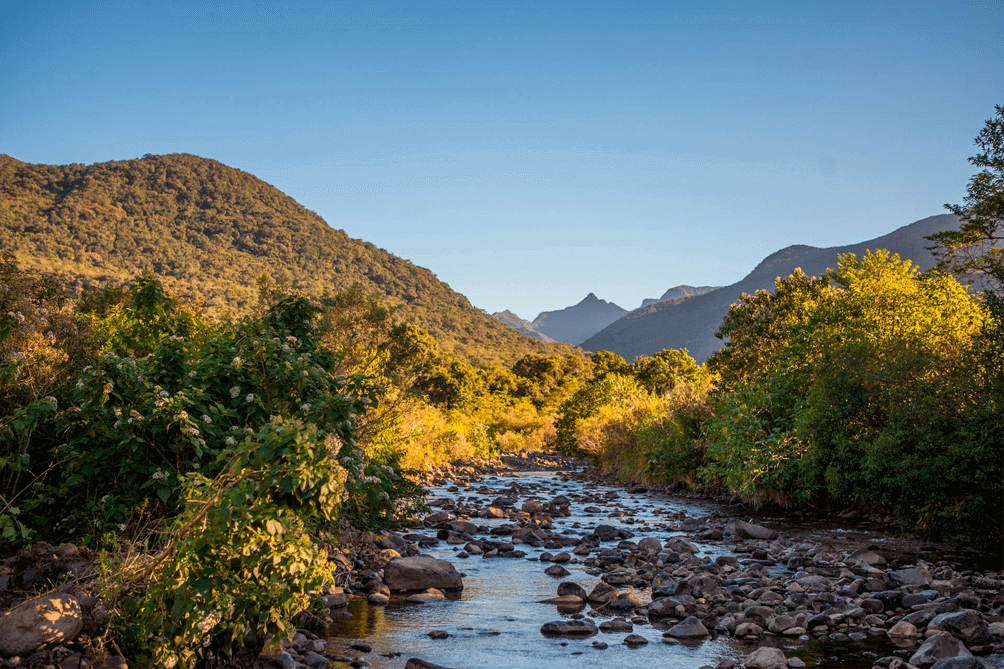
x=496 y=621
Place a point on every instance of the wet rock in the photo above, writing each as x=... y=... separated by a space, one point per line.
x=438 y=634
x=391 y=541
x=965 y=625
x=743 y=530
x=378 y=599
x=748 y=629
x=415 y=663
x=905 y=577
x=336 y=600
x=572 y=588
x=616 y=625
x=570 y=628
x=902 y=629
x=316 y=661
x=938 y=647
x=430 y=595
x=420 y=573
x=624 y=601
x=556 y=570
x=635 y=640
x=780 y=624
x=866 y=557
x=53 y=618
x=764 y=658
x=562 y=600
x=959 y=663
x=602 y=593
x=650 y=545
x=690 y=628
x=606 y=532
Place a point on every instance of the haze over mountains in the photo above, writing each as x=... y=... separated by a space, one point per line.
x=569 y=325
x=678 y=292
x=691 y=322
x=208 y=231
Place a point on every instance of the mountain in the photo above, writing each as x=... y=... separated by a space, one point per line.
x=516 y=323
x=578 y=322
x=678 y=292
x=691 y=322
x=208 y=231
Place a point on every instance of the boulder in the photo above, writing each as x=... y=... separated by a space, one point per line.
x=965 y=625
x=959 y=663
x=902 y=629
x=635 y=640
x=938 y=647
x=415 y=663
x=571 y=588
x=602 y=593
x=690 y=628
x=866 y=557
x=743 y=530
x=763 y=658
x=624 y=601
x=904 y=577
x=50 y=619
x=421 y=573
x=573 y=628
x=430 y=595
x=650 y=545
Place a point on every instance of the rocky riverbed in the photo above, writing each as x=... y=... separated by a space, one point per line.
x=517 y=568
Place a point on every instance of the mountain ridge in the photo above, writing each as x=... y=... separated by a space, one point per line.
x=208 y=231
x=691 y=322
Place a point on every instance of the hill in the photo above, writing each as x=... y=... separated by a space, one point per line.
x=209 y=230
x=578 y=322
x=519 y=324
x=678 y=292
x=691 y=322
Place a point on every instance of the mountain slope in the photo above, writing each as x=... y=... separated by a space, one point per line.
x=691 y=322
x=209 y=230
x=678 y=292
x=578 y=322
x=520 y=325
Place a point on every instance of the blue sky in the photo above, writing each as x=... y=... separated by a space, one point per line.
x=529 y=153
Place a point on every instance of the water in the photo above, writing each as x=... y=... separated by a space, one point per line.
x=496 y=620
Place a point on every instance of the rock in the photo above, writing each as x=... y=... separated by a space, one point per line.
x=315 y=661
x=616 y=625
x=563 y=600
x=624 y=601
x=606 y=532
x=780 y=624
x=959 y=663
x=336 y=600
x=866 y=557
x=438 y=634
x=50 y=619
x=430 y=595
x=602 y=593
x=938 y=647
x=378 y=599
x=557 y=571
x=748 y=629
x=415 y=663
x=650 y=545
x=690 y=628
x=996 y=629
x=572 y=588
x=763 y=658
x=573 y=628
x=743 y=530
x=902 y=629
x=904 y=577
x=795 y=663
x=391 y=541
x=635 y=640
x=420 y=573
x=532 y=506
x=965 y=625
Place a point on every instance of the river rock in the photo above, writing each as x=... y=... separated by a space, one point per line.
x=743 y=530
x=421 y=573
x=391 y=541
x=624 y=601
x=866 y=557
x=430 y=595
x=606 y=532
x=763 y=658
x=50 y=619
x=573 y=628
x=557 y=571
x=415 y=663
x=650 y=545
x=960 y=663
x=562 y=600
x=904 y=577
x=572 y=588
x=938 y=647
x=690 y=628
x=616 y=625
x=781 y=624
x=635 y=640
x=602 y=593
x=902 y=629
x=966 y=625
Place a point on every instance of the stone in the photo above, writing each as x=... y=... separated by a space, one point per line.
x=430 y=595
x=959 y=663
x=624 y=601
x=650 y=545
x=780 y=624
x=796 y=663
x=616 y=625
x=391 y=541
x=571 y=628
x=690 y=628
x=748 y=629
x=316 y=661
x=557 y=571
x=602 y=593
x=866 y=557
x=996 y=629
x=336 y=600
x=378 y=599
x=438 y=634
x=606 y=532
x=743 y=530
x=562 y=600
x=938 y=647
x=635 y=640
x=415 y=663
x=965 y=625
x=421 y=573
x=571 y=588
x=904 y=577
x=763 y=658
x=902 y=629
x=50 y=619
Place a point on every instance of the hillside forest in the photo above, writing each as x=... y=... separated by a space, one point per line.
x=131 y=415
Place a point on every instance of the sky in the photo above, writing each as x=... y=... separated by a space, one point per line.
x=530 y=153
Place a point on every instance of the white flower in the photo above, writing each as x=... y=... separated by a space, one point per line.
x=97 y=523
x=235 y=391
x=164 y=393
x=80 y=384
x=285 y=347
x=304 y=373
x=183 y=415
x=159 y=403
x=158 y=475
x=236 y=361
x=304 y=407
x=250 y=397
x=230 y=441
x=191 y=374
x=122 y=527
x=87 y=369
x=207 y=419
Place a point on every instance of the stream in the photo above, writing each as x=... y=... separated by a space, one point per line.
x=497 y=618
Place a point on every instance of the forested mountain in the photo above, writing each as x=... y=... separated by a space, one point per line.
x=209 y=230
x=678 y=292
x=691 y=322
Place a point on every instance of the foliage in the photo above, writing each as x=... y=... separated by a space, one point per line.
x=208 y=232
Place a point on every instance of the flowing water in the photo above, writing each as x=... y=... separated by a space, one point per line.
x=496 y=620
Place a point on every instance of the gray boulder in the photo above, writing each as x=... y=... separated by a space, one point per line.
x=421 y=573
x=938 y=647
x=690 y=628
x=763 y=658
x=50 y=619
x=573 y=628
x=966 y=625
x=744 y=530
